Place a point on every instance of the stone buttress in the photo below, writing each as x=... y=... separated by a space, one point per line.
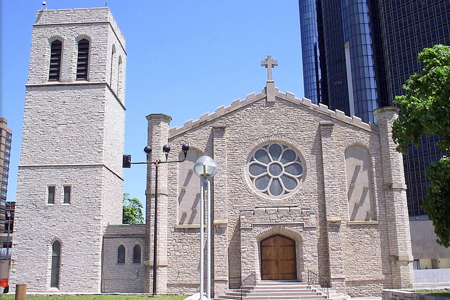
x=158 y=135
x=399 y=236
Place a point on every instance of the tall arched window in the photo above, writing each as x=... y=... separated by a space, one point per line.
x=56 y=263
x=113 y=52
x=83 y=60
x=121 y=255
x=55 y=61
x=137 y=254
x=119 y=71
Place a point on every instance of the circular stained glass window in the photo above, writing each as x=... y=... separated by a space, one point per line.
x=275 y=169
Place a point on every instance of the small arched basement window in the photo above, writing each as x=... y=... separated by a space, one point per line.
x=121 y=255
x=55 y=60
x=83 y=60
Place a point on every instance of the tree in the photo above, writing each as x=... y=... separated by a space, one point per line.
x=132 y=210
x=425 y=109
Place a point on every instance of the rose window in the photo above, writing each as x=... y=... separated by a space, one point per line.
x=275 y=169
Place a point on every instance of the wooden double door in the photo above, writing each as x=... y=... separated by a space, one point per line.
x=278 y=261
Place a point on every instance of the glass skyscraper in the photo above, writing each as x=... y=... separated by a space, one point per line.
x=357 y=54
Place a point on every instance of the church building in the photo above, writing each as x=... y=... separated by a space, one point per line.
x=299 y=189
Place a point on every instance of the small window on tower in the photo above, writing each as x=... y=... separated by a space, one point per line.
x=51 y=194
x=67 y=194
x=55 y=61
x=83 y=55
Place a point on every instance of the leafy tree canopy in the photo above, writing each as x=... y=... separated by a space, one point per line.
x=132 y=210
x=425 y=109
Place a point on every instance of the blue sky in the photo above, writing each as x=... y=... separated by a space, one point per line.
x=185 y=58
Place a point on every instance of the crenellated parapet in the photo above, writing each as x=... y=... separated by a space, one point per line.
x=290 y=97
x=77 y=16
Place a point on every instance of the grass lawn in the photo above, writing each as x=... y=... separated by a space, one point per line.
x=436 y=293
x=96 y=297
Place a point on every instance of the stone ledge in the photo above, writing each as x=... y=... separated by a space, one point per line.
x=363 y=223
x=334 y=219
x=188 y=226
x=409 y=295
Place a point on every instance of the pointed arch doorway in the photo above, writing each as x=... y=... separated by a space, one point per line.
x=278 y=259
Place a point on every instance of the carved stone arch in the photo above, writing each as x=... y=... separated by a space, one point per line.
x=359 y=182
x=273 y=230
x=358 y=143
x=56 y=37
x=83 y=37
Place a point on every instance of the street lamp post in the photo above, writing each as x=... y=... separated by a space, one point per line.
x=205 y=168
x=127 y=164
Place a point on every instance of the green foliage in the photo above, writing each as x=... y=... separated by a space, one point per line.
x=132 y=210
x=437 y=204
x=425 y=109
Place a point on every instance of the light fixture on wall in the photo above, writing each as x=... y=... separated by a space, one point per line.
x=205 y=168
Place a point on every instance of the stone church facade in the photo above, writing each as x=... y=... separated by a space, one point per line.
x=300 y=187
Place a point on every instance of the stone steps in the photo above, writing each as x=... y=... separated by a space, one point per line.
x=286 y=290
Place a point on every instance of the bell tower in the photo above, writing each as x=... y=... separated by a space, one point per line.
x=70 y=173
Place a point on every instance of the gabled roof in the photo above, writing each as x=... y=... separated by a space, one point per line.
x=290 y=97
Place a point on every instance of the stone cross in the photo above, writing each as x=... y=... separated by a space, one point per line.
x=269 y=63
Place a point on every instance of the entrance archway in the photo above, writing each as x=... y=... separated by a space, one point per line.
x=278 y=261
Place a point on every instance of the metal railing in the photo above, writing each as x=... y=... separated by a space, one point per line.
x=320 y=283
x=249 y=281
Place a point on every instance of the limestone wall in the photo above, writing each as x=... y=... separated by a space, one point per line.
x=408 y=295
x=73 y=135
x=128 y=277
x=363 y=263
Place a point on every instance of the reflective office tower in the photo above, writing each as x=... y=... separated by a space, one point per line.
x=367 y=49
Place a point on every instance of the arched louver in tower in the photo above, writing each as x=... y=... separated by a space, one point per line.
x=83 y=59
x=55 y=61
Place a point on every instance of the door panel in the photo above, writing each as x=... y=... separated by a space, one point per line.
x=278 y=261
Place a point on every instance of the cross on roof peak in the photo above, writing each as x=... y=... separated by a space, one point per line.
x=269 y=63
